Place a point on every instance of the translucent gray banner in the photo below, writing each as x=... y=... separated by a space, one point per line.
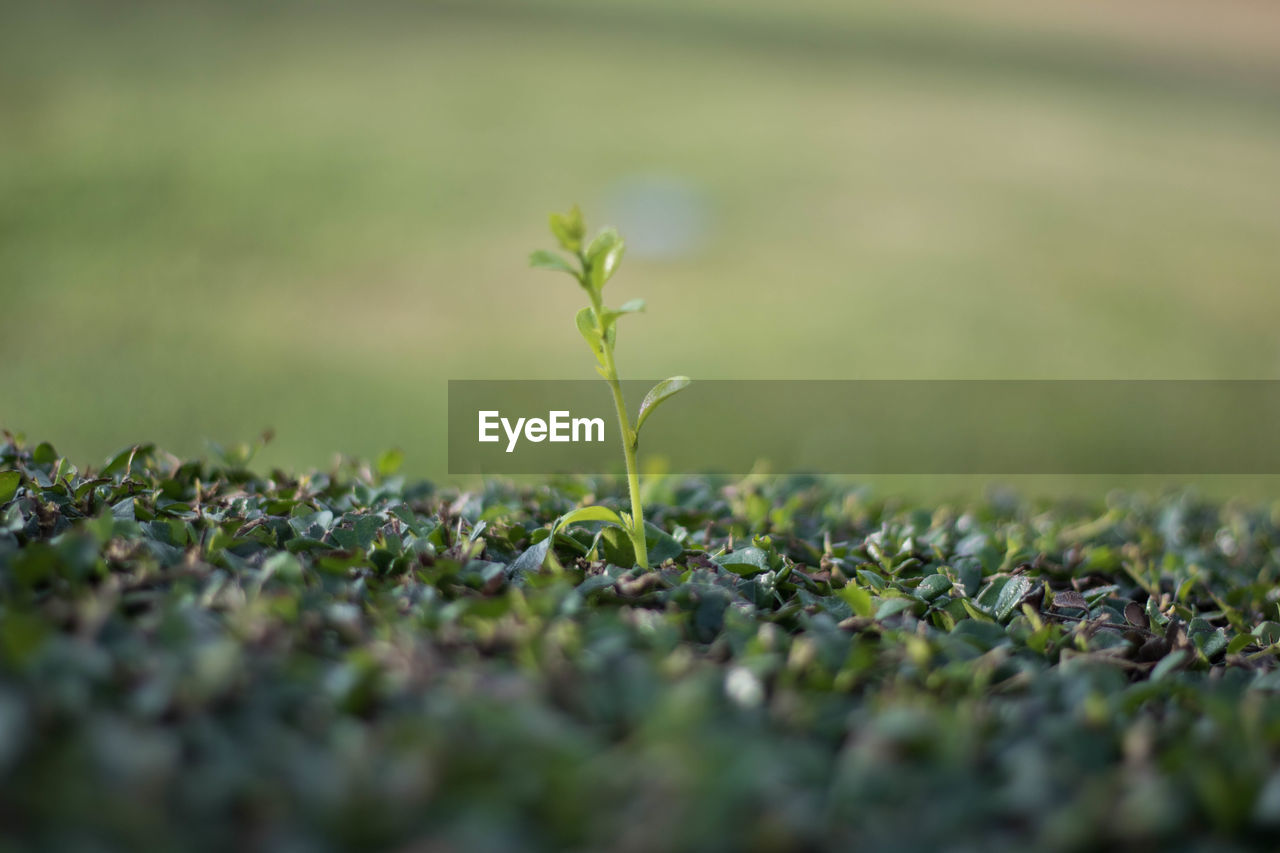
x=1162 y=427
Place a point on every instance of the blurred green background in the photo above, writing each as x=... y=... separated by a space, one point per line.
x=216 y=219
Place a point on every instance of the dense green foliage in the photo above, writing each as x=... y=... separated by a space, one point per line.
x=193 y=656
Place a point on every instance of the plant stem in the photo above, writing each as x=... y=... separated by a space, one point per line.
x=636 y=532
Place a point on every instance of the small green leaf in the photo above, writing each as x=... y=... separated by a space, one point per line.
x=542 y=259
x=1168 y=664
x=1210 y=643
x=615 y=545
x=664 y=389
x=586 y=321
x=602 y=243
x=283 y=564
x=606 y=264
x=1268 y=633
x=389 y=462
x=122 y=461
x=981 y=633
x=975 y=611
x=745 y=561
x=1010 y=594
x=660 y=544
x=9 y=482
x=589 y=513
x=872 y=579
x=531 y=560
x=859 y=600
x=611 y=315
x=892 y=607
x=1239 y=642
x=932 y=586
x=568 y=229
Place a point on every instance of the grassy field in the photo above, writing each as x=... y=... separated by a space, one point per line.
x=194 y=658
x=218 y=220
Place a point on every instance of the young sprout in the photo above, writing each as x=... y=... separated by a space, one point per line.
x=596 y=262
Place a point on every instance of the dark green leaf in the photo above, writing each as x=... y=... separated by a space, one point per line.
x=662 y=546
x=1168 y=664
x=932 y=586
x=530 y=562
x=745 y=561
x=1010 y=595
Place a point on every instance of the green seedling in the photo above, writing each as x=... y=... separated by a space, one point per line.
x=592 y=265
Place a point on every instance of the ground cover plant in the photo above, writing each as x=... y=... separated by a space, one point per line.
x=193 y=656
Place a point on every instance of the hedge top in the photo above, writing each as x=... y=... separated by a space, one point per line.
x=192 y=655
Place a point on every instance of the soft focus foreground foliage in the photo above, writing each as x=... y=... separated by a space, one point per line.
x=192 y=656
